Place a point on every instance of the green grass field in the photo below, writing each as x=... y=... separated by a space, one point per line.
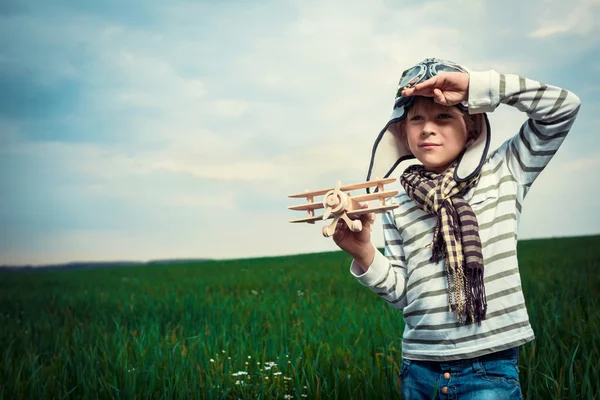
x=298 y=326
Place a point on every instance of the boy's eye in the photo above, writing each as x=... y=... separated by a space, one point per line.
x=444 y=116
x=416 y=118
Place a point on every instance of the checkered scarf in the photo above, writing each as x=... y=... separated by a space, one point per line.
x=456 y=236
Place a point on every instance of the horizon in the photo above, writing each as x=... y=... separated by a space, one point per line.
x=203 y=259
x=173 y=131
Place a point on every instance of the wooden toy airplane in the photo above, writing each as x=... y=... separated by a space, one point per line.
x=338 y=203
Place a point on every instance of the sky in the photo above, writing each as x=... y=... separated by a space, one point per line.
x=147 y=130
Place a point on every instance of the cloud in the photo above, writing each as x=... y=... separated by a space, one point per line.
x=230 y=108
x=551 y=31
x=245 y=171
x=179 y=130
x=589 y=163
x=578 y=18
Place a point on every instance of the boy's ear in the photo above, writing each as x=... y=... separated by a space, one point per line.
x=399 y=131
x=475 y=129
x=396 y=128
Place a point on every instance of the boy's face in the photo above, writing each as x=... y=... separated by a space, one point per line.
x=436 y=134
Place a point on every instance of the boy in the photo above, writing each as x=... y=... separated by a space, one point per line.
x=450 y=260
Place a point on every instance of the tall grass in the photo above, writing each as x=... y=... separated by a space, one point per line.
x=298 y=326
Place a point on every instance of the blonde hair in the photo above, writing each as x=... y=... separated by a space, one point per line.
x=427 y=104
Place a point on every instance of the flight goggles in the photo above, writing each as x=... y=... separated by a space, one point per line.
x=420 y=73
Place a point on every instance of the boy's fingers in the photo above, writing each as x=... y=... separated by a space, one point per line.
x=368 y=219
x=439 y=97
x=425 y=88
x=417 y=92
x=368 y=216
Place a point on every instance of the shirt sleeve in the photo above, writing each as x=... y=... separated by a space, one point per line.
x=551 y=112
x=387 y=274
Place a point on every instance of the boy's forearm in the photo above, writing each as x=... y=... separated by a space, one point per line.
x=551 y=111
x=488 y=89
x=365 y=258
x=381 y=276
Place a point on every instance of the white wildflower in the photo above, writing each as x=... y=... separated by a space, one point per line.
x=269 y=365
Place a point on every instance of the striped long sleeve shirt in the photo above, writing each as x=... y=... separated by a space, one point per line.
x=405 y=277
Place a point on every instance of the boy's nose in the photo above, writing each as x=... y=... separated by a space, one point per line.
x=428 y=129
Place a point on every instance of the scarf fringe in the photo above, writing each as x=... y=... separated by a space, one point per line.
x=477 y=306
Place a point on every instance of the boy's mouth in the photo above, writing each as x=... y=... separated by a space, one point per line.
x=428 y=145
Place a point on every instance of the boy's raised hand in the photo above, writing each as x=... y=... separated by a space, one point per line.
x=447 y=88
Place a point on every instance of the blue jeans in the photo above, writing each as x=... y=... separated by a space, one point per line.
x=493 y=376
